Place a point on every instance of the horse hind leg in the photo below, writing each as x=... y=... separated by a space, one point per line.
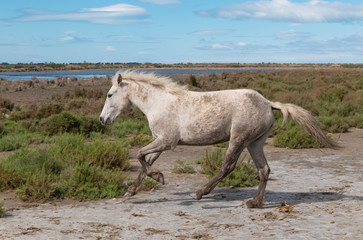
x=256 y=151
x=232 y=155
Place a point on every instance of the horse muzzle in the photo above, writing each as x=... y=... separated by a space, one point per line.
x=104 y=121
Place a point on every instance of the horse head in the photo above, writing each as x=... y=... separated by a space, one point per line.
x=117 y=101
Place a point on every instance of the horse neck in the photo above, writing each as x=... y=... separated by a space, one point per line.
x=146 y=97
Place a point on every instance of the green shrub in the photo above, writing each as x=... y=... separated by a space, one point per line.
x=243 y=175
x=107 y=154
x=149 y=184
x=129 y=126
x=68 y=167
x=9 y=179
x=334 y=123
x=91 y=182
x=2 y=210
x=15 y=141
x=12 y=142
x=181 y=167
x=193 y=81
x=138 y=140
x=36 y=188
x=91 y=124
x=2 y=129
x=65 y=122
x=88 y=93
x=6 y=104
x=48 y=110
x=294 y=137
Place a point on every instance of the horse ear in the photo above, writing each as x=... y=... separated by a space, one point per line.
x=119 y=79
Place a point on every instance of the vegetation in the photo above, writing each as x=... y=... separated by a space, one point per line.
x=2 y=210
x=243 y=175
x=69 y=167
x=181 y=167
x=296 y=138
x=35 y=67
x=59 y=149
x=81 y=159
x=149 y=184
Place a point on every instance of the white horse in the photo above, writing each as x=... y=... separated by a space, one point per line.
x=178 y=116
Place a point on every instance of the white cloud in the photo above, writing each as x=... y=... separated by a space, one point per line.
x=290 y=11
x=110 y=49
x=292 y=35
x=221 y=46
x=114 y=14
x=67 y=38
x=241 y=44
x=161 y=2
x=212 y=32
x=349 y=44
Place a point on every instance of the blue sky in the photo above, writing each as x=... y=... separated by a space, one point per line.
x=174 y=31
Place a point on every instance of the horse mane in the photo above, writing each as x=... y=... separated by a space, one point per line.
x=157 y=81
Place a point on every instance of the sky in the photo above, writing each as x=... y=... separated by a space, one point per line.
x=181 y=31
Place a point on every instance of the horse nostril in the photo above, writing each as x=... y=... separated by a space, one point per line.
x=101 y=119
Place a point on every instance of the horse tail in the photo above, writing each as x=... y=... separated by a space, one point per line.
x=305 y=119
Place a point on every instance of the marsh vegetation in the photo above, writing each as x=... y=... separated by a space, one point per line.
x=58 y=149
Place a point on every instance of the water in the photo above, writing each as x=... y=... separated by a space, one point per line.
x=102 y=73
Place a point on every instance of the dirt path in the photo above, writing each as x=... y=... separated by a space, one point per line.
x=325 y=188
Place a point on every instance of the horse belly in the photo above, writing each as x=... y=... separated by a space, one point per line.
x=205 y=133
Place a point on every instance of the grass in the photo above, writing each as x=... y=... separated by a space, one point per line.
x=2 y=210
x=181 y=167
x=149 y=184
x=296 y=138
x=243 y=175
x=68 y=168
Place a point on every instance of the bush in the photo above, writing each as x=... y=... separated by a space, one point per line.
x=243 y=175
x=129 y=126
x=193 y=81
x=9 y=179
x=91 y=124
x=12 y=142
x=88 y=93
x=48 y=110
x=109 y=155
x=294 y=137
x=64 y=122
x=149 y=184
x=68 y=167
x=181 y=167
x=6 y=104
x=89 y=181
x=2 y=210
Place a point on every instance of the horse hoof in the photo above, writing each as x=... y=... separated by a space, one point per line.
x=156 y=175
x=196 y=196
x=161 y=178
x=129 y=194
x=251 y=203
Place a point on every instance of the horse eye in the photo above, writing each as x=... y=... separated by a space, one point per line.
x=109 y=95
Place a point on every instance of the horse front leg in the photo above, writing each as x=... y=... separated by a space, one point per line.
x=152 y=151
x=154 y=173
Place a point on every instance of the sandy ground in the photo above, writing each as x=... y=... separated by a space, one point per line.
x=324 y=187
